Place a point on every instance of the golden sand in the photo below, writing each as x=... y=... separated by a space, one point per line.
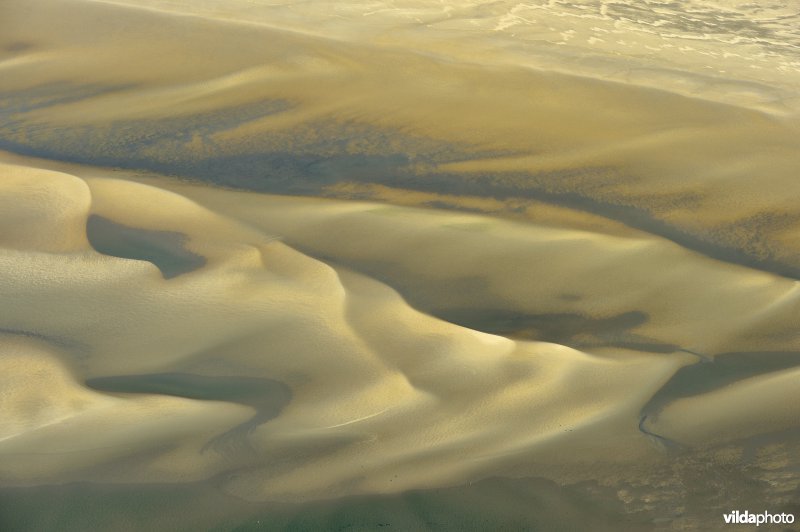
x=460 y=265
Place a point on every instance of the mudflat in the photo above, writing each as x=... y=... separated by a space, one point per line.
x=465 y=267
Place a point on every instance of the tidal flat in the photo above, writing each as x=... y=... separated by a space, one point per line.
x=398 y=265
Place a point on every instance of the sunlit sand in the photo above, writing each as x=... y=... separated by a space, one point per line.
x=290 y=265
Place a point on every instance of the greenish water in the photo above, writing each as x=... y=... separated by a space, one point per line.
x=492 y=504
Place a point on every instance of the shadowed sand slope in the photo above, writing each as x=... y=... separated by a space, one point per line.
x=275 y=376
x=363 y=367
x=244 y=105
x=298 y=262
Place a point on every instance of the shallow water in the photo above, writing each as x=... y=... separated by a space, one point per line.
x=456 y=266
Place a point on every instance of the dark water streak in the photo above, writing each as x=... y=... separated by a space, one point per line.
x=267 y=397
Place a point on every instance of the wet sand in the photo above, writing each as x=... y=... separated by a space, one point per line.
x=257 y=274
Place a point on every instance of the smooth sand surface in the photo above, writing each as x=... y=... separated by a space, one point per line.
x=250 y=106
x=383 y=398
x=414 y=258
x=365 y=368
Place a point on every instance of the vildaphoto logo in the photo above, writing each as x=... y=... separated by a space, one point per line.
x=764 y=518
